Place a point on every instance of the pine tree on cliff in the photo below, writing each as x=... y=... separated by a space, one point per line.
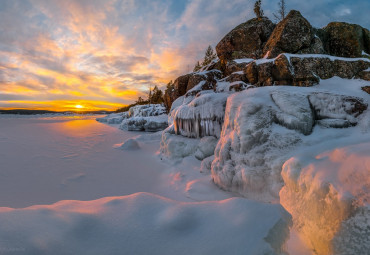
x=281 y=14
x=209 y=56
x=258 y=9
x=197 y=67
x=156 y=96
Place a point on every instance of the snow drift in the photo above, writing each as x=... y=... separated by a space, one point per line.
x=143 y=223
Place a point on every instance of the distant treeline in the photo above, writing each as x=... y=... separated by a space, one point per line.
x=31 y=112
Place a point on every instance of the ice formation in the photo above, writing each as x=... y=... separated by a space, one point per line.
x=202 y=116
x=328 y=197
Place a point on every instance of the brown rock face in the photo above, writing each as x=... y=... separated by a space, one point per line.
x=169 y=97
x=246 y=40
x=366 y=89
x=346 y=40
x=186 y=82
x=232 y=67
x=181 y=84
x=303 y=71
x=209 y=77
x=366 y=40
x=251 y=73
x=365 y=75
x=238 y=76
x=291 y=35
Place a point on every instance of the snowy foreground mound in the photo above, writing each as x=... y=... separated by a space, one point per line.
x=143 y=223
x=149 y=118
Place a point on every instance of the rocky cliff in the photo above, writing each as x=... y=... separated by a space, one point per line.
x=329 y=51
x=280 y=97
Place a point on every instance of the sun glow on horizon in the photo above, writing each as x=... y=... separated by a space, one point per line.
x=79 y=107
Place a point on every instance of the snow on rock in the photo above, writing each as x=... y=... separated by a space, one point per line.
x=295 y=112
x=146 y=110
x=129 y=145
x=331 y=106
x=150 y=118
x=144 y=223
x=148 y=124
x=328 y=197
x=202 y=116
x=206 y=147
x=206 y=164
x=178 y=147
x=263 y=126
x=114 y=118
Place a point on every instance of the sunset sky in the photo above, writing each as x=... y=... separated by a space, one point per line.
x=102 y=54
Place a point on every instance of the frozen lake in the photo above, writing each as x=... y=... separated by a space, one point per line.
x=44 y=160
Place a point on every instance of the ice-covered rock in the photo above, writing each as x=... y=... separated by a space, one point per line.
x=252 y=149
x=202 y=116
x=206 y=147
x=113 y=118
x=206 y=164
x=329 y=106
x=178 y=147
x=149 y=118
x=263 y=126
x=146 y=110
x=148 y=124
x=328 y=196
x=295 y=111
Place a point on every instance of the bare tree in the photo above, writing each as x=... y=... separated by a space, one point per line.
x=258 y=10
x=280 y=15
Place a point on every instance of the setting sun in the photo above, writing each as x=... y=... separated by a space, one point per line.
x=78 y=106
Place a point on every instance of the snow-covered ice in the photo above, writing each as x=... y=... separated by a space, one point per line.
x=76 y=159
x=144 y=223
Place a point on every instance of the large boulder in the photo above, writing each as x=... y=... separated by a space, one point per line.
x=346 y=40
x=246 y=40
x=181 y=84
x=291 y=35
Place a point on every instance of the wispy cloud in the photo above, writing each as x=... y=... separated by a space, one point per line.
x=107 y=53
